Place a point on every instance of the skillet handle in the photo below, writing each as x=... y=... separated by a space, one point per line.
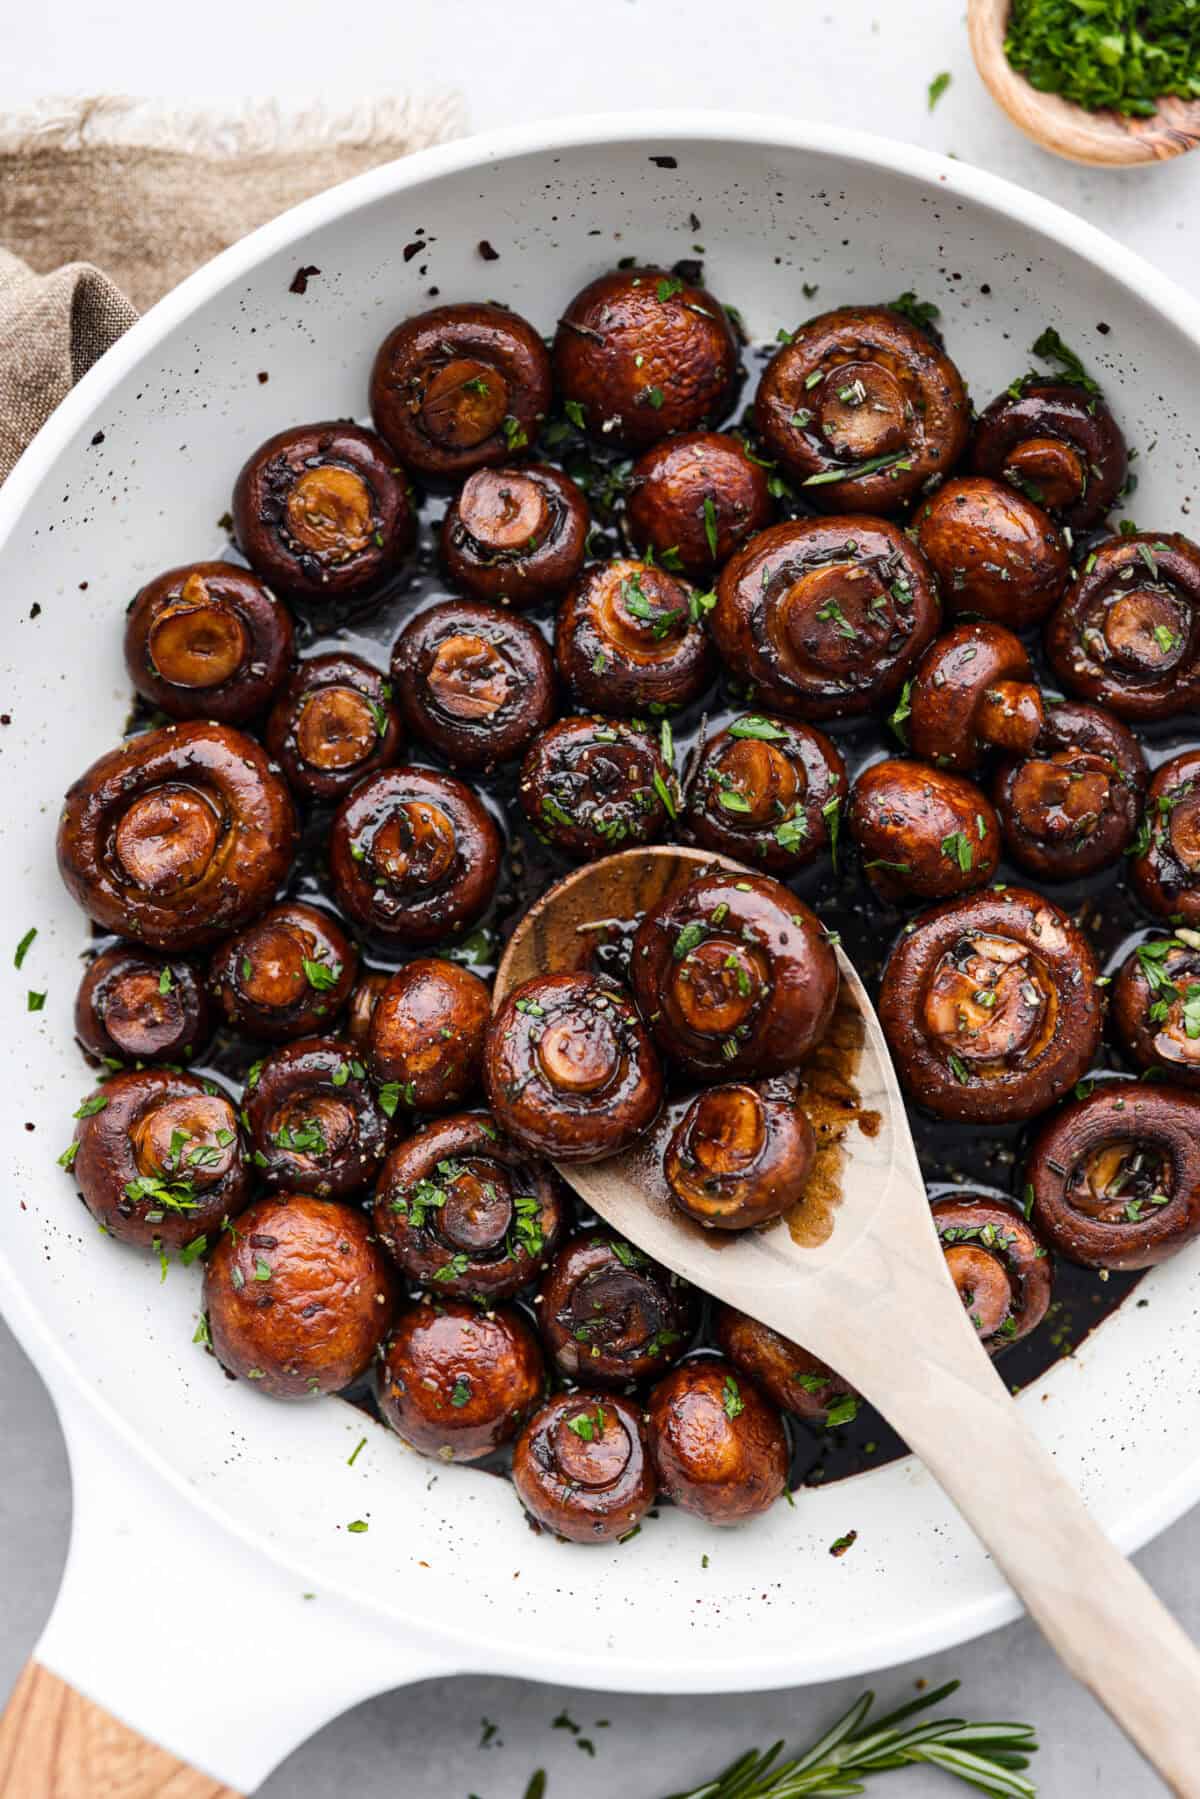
x=55 y=1744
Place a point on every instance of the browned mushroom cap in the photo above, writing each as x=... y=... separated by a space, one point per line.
x=460 y=388
x=592 y=785
x=133 y=1006
x=1072 y=805
x=765 y=790
x=315 y=1124
x=608 y=1314
x=455 y=1382
x=1058 y=443
x=299 y=1297
x=414 y=855
x=990 y=1006
x=178 y=836
x=973 y=691
x=739 y=1157
x=208 y=641
x=1115 y=1178
x=1165 y=868
x=1127 y=633
x=569 y=1069
x=515 y=535
x=473 y=681
x=922 y=831
x=287 y=974
x=363 y=1001
x=863 y=409
x=793 y=1378
x=993 y=551
x=641 y=354
x=322 y=511
x=998 y=1264
x=465 y=1211
x=719 y=1448
x=629 y=639
x=694 y=499
x=825 y=617
x=427 y=1033
x=735 y=976
x=582 y=1467
x=1156 y=1006
x=334 y=722
x=159 y=1159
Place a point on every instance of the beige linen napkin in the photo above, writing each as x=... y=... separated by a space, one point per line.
x=106 y=204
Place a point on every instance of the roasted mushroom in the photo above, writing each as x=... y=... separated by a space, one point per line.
x=998 y=1264
x=427 y=1032
x=1165 y=867
x=863 y=409
x=473 y=681
x=133 y=1006
x=640 y=353
x=208 y=641
x=973 y=692
x=1127 y=633
x=582 y=1467
x=315 y=1123
x=334 y=722
x=1114 y=1179
x=1057 y=442
x=608 y=1314
x=993 y=551
x=455 y=1382
x=414 y=855
x=593 y=785
x=765 y=790
x=287 y=974
x=719 y=1448
x=735 y=976
x=990 y=1006
x=922 y=831
x=692 y=500
x=794 y=1379
x=569 y=1068
x=825 y=617
x=177 y=837
x=739 y=1156
x=1071 y=806
x=514 y=536
x=1156 y=1006
x=460 y=388
x=322 y=512
x=299 y=1297
x=628 y=640
x=363 y=1001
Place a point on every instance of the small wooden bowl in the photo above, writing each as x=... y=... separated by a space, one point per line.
x=1104 y=139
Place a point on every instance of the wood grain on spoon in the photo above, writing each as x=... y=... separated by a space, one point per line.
x=870 y=1293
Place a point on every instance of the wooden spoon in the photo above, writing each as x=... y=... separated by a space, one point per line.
x=869 y=1292
x=1104 y=139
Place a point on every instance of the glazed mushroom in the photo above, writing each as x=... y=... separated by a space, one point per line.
x=792 y=1378
x=363 y=1001
x=1165 y=867
x=735 y=976
x=475 y=682
x=974 y=692
x=299 y=1297
x=719 y=1448
x=1071 y=806
x=608 y=1314
x=692 y=500
x=322 y=511
x=641 y=353
x=414 y=855
x=825 y=617
x=994 y=552
x=863 y=409
x=1058 y=443
x=460 y=388
x=990 y=1006
x=427 y=1033
x=998 y=1264
x=467 y=1213
x=569 y=1068
x=593 y=785
x=177 y=837
x=739 y=1156
x=285 y=975
x=765 y=790
x=208 y=641
x=514 y=536
x=1127 y=633
x=628 y=640
x=158 y=1158
x=922 y=832
x=1156 y=1006
x=315 y=1123
x=582 y=1467
x=334 y=722
x=1114 y=1179
x=457 y=1383
x=133 y=1006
